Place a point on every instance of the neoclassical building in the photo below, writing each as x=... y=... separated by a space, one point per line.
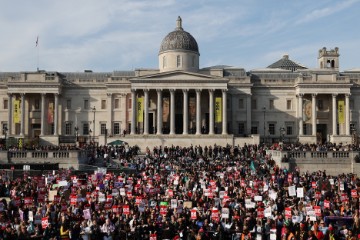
x=181 y=103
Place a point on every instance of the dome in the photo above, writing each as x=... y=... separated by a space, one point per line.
x=179 y=40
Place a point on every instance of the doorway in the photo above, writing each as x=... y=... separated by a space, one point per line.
x=321 y=133
x=179 y=123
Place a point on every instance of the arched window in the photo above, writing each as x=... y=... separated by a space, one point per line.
x=178 y=61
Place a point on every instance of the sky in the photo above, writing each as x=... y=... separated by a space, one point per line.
x=112 y=35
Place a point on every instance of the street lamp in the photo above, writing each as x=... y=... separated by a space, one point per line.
x=282 y=133
x=5 y=129
x=94 y=110
x=264 y=111
x=76 y=133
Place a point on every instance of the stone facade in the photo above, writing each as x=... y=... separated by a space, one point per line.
x=180 y=101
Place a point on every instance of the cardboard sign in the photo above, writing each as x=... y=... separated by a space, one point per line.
x=193 y=214
x=173 y=203
x=288 y=213
x=292 y=191
x=225 y=212
x=126 y=209
x=215 y=214
x=317 y=210
x=300 y=192
x=187 y=204
x=354 y=193
x=87 y=214
x=326 y=204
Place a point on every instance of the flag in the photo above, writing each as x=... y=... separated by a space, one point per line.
x=37 y=41
x=252 y=166
x=218 y=110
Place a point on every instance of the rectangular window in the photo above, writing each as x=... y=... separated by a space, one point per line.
x=116 y=103
x=36 y=104
x=129 y=103
x=178 y=61
x=5 y=104
x=241 y=128
x=68 y=128
x=320 y=104
x=254 y=130
x=86 y=104
x=103 y=104
x=288 y=104
x=116 y=128
x=86 y=129
x=68 y=104
x=241 y=103
x=289 y=130
x=271 y=104
x=253 y=104
x=272 y=128
x=4 y=128
x=103 y=128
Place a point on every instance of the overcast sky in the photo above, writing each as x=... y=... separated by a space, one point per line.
x=108 y=35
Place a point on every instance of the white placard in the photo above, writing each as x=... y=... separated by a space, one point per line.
x=258 y=198
x=292 y=191
x=174 y=203
x=342 y=188
x=300 y=192
x=267 y=212
x=225 y=213
x=331 y=180
x=62 y=183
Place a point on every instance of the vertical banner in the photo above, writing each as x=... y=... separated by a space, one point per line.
x=192 y=108
x=341 y=112
x=16 y=112
x=307 y=111
x=50 y=116
x=140 y=109
x=218 y=110
x=166 y=109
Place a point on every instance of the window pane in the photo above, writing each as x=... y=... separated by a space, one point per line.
x=116 y=128
x=85 y=128
x=103 y=104
x=5 y=104
x=103 y=128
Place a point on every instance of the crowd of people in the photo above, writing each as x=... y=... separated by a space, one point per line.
x=210 y=192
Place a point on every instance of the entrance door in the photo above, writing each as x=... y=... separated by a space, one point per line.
x=179 y=123
x=321 y=133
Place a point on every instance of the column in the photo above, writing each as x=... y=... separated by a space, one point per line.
x=172 y=111
x=22 y=124
x=248 y=114
x=198 y=111
x=347 y=114
x=146 y=111
x=313 y=109
x=300 y=114
x=211 y=111
x=186 y=111
x=109 y=113
x=133 y=110
x=334 y=120
x=42 y=133
x=159 y=124
x=224 y=113
x=10 y=114
x=56 y=114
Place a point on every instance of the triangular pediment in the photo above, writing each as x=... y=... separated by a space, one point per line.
x=178 y=76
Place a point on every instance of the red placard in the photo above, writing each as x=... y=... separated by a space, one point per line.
x=17 y=201
x=138 y=200
x=317 y=210
x=63 y=207
x=44 y=222
x=126 y=209
x=153 y=236
x=260 y=213
x=73 y=199
x=313 y=184
x=242 y=183
x=107 y=205
x=129 y=194
x=248 y=191
x=163 y=210
x=344 y=197
x=193 y=214
x=288 y=214
x=28 y=201
x=116 y=209
x=354 y=193
x=326 y=204
x=290 y=177
x=215 y=214
x=170 y=193
x=318 y=195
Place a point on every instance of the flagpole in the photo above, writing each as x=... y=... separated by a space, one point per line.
x=37 y=46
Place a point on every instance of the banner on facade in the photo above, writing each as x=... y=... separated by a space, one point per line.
x=341 y=112
x=166 y=109
x=16 y=111
x=192 y=109
x=140 y=109
x=218 y=116
x=50 y=116
x=307 y=111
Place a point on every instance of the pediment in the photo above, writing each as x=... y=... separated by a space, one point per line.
x=176 y=76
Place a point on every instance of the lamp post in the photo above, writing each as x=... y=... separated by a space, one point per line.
x=282 y=134
x=94 y=110
x=264 y=111
x=76 y=133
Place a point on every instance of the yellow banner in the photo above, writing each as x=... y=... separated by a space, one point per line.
x=341 y=111
x=140 y=109
x=218 y=107
x=16 y=116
